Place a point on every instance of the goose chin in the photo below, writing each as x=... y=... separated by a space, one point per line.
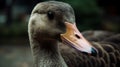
x=74 y=38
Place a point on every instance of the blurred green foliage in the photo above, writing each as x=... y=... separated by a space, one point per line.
x=87 y=13
x=15 y=30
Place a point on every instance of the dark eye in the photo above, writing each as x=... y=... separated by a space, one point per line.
x=50 y=15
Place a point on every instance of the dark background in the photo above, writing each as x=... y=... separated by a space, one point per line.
x=14 y=16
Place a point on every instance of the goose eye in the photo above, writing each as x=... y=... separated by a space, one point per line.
x=50 y=15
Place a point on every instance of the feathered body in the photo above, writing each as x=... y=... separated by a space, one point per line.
x=47 y=22
x=108 y=54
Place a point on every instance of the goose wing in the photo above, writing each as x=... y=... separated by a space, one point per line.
x=108 y=54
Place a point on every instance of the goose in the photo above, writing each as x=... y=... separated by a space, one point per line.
x=55 y=40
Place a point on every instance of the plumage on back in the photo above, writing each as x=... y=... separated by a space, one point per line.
x=97 y=35
x=108 y=54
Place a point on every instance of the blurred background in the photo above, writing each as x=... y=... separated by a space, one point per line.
x=14 y=15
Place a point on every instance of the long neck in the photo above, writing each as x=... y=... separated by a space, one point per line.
x=46 y=53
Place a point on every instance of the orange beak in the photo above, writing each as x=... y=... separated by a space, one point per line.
x=75 y=39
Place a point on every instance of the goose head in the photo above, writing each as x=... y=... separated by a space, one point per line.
x=55 y=21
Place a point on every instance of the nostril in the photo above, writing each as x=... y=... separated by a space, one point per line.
x=77 y=36
x=93 y=52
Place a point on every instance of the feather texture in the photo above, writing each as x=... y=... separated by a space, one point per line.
x=44 y=34
x=108 y=54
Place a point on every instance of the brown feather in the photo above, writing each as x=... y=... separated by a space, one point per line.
x=108 y=55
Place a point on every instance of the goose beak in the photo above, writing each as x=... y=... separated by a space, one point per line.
x=75 y=39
